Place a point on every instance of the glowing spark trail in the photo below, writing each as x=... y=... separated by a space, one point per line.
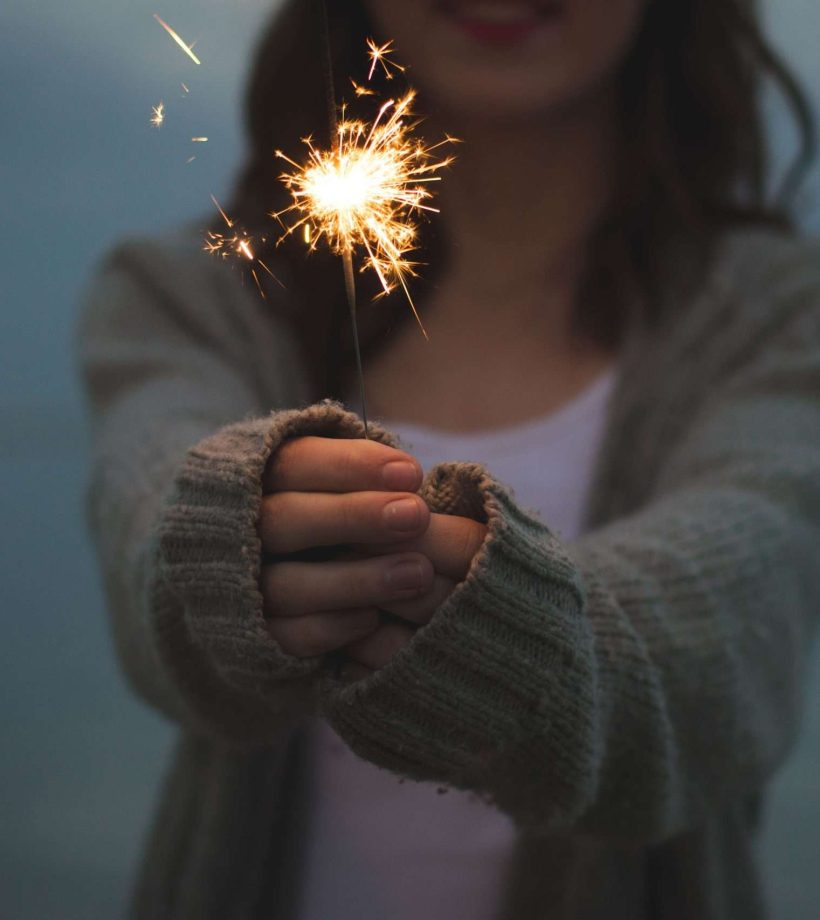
x=199 y=140
x=236 y=243
x=158 y=114
x=378 y=57
x=188 y=49
x=362 y=90
x=365 y=194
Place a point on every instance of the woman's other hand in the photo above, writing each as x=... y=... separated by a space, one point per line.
x=328 y=492
x=450 y=543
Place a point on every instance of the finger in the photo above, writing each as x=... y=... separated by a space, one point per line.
x=295 y=588
x=317 y=633
x=377 y=648
x=292 y=521
x=312 y=464
x=449 y=542
x=419 y=609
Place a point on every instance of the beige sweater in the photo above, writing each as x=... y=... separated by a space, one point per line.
x=624 y=698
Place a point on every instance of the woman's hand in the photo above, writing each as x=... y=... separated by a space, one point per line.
x=327 y=492
x=450 y=543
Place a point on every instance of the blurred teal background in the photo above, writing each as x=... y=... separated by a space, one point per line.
x=80 y=167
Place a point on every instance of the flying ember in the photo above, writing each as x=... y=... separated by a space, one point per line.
x=378 y=55
x=188 y=49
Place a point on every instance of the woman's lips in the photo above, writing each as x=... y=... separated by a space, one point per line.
x=500 y=22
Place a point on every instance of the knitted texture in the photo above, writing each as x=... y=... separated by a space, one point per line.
x=624 y=698
x=569 y=685
x=499 y=680
x=206 y=595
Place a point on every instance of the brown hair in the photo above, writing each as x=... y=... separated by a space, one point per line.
x=695 y=165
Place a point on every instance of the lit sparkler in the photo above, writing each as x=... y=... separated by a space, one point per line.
x=188 y=49
x=236 y=243
x=363 y=197
x=364 y=194
x=158 y=114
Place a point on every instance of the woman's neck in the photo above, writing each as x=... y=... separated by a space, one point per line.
x=517 y=209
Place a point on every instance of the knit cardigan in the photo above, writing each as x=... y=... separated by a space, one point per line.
x=624 y=698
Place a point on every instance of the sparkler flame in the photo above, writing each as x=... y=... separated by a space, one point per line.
x=366 y=193
x=188 y=49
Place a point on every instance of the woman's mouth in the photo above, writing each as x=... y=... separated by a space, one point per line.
x=501 y=22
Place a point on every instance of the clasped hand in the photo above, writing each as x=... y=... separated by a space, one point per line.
x=392 y=554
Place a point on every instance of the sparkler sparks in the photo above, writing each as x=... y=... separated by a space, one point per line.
x=158 y=114
x=378 y=55
x=362 y=90
x=238 y=243
x=366 y=193
x=363 y=197
x=188 y=49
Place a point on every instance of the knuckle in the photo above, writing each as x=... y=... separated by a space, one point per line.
x=282 y=518
x=272 y=509
x=374 y=452
x=277 y=589
x=358 y=461
x=350 y=461
x=354 y=582
x=281 y=462
x=349 y=511
x=316 y=634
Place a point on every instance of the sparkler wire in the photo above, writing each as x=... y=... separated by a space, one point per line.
x=347 y=255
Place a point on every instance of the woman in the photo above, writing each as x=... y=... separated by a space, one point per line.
x=624 y=331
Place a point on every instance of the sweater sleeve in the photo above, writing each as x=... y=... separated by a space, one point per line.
x=171 y=355
x=631 y=682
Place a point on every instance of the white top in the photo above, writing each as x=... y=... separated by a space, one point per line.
x=379 y=848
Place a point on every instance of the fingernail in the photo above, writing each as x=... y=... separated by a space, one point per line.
x=400 y=476
x=402 y=515
x=406 y=574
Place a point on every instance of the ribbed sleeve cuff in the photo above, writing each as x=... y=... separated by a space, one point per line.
x=207 y=597
x=496 y=694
